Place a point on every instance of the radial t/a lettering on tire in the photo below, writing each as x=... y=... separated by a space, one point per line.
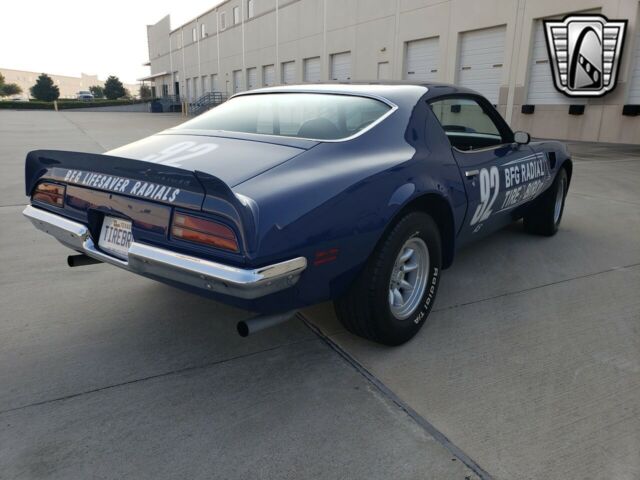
x=392 y=297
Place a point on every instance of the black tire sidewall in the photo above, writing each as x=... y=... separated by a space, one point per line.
x=540 y=218
x=562 y=175
x=392 y=330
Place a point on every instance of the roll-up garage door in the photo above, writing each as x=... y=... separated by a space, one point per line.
x=341 y=66
x=252 y=78
x=237 y=81
x=634 y=91
x=311 y=69
x=422 y=60
x=268 y=75
x=289 y=73
x=482 y=61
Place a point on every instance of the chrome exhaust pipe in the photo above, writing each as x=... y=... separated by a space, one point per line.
x=81 y=260
x=255 y=324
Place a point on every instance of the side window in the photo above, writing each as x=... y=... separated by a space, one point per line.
x=466 y=124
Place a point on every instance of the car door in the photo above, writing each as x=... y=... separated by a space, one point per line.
x=491 y=164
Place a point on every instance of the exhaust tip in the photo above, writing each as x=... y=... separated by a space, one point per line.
x=81 y=260
x=243 y=329
x=252 y=325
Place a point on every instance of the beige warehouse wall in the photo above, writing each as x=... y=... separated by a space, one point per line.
x=376 y=31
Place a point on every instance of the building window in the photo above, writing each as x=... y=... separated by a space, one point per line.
x=236 y=15
x=203 y=30
x=194 y=35
x=250 y=8
x=223 y=20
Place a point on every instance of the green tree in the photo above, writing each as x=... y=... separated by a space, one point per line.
x=113 y=88
x=145 y=92
x=10 y=89
x=97 y=90
x=7 y=89
x=44 y=89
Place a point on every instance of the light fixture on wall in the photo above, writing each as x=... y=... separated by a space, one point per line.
x=576 y=109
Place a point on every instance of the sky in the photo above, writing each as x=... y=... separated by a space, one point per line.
x=67 y=37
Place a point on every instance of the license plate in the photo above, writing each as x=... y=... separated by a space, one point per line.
x=115 y=236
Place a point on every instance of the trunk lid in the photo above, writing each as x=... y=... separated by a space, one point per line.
x=231 y=159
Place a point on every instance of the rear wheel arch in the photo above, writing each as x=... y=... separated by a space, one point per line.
x=439 y=209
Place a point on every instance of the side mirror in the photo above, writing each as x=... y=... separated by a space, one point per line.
x=521 y=138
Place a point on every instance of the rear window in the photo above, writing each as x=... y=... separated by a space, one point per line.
x=303 y=115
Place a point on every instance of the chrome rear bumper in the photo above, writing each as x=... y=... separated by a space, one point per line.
x=165 y=264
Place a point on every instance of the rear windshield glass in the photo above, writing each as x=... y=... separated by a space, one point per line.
x=304 y=115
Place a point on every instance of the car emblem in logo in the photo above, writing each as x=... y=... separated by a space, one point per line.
x=585 y=53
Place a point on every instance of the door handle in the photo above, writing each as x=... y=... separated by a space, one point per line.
x=471 y=173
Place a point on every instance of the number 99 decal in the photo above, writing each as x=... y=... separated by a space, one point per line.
x=489 y=189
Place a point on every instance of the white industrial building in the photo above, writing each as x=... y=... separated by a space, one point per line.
x=494 y=46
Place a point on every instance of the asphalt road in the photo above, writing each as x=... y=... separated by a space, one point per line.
x=528 y=368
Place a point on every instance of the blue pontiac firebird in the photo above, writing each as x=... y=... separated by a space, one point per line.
x=289 y=196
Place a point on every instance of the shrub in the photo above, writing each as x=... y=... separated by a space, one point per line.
x=97 y=90
x=65 y=104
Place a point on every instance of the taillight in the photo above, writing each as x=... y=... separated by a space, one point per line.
x=206 y=232
x=50 y=193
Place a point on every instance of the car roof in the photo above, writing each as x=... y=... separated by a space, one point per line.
x=397 y=92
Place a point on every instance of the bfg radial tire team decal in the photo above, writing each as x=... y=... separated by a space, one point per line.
x=509 y=185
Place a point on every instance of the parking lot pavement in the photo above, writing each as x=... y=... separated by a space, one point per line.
x=107 y=375
x=530 y=361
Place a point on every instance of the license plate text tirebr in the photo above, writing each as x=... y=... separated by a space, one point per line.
x=116 y=236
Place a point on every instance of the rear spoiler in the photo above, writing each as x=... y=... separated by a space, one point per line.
x=150 y=181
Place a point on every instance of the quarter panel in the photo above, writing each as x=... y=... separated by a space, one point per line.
x=345 y=195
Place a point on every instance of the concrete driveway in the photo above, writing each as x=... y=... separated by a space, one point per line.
x=529 y=366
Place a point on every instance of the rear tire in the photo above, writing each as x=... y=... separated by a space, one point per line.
x=392 y=297
x=545 y=215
